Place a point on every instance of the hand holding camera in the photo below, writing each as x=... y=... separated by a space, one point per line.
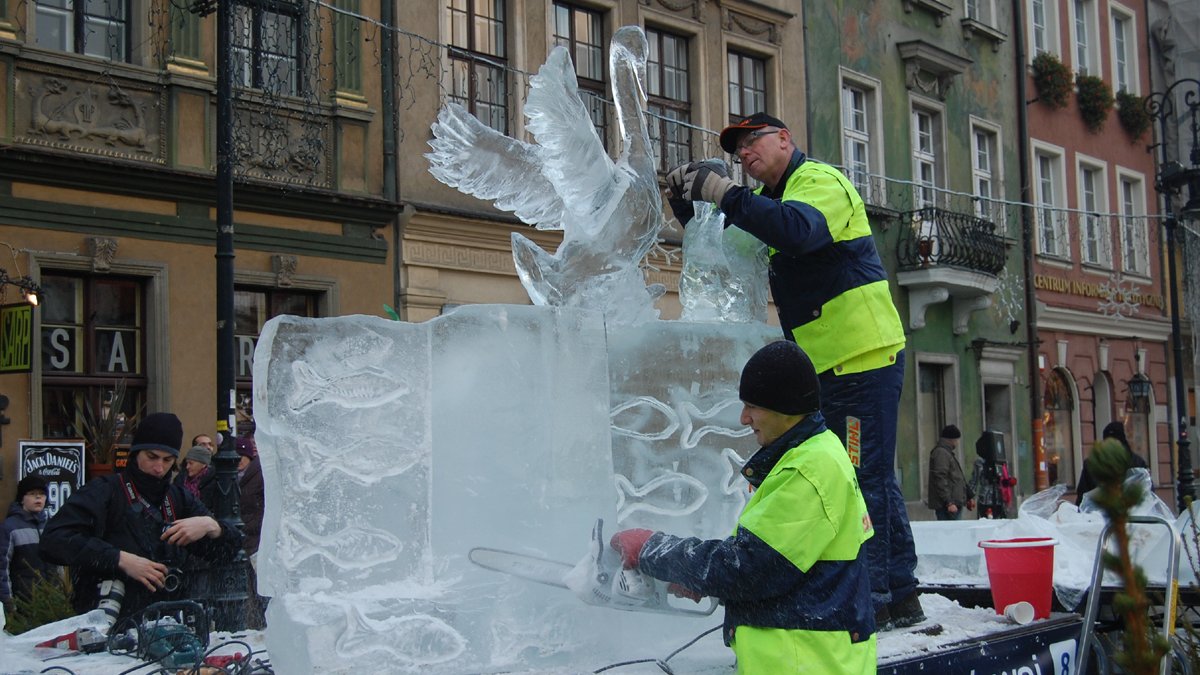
x=190 y=530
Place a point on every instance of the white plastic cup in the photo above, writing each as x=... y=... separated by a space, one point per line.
x=1019 y=613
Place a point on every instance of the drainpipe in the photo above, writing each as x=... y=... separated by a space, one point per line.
x=387 y=12
x=1028 y=241
x=808 y=132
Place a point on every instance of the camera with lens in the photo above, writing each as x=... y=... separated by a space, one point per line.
x=174 y=580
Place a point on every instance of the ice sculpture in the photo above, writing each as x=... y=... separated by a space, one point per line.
x=724 y=275
x=610 y=212
x=511 y=427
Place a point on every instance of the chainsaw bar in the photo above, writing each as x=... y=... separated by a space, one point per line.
x=530 y=568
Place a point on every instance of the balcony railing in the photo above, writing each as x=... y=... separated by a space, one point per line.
x=936 y=236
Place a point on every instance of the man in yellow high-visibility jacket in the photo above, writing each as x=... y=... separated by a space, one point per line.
x=792 y=579
x=833 y=299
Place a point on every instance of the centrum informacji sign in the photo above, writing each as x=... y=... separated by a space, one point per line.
x=1100 y=291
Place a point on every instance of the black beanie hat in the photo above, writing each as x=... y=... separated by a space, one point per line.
x=1115 y=430
x=781 y=377
x=951 y=432
x=29 y=484
x=158 y=431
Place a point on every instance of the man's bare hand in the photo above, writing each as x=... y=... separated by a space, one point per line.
x=952 y=508
x=971 y=504
x=189 y=530
x=150 y=574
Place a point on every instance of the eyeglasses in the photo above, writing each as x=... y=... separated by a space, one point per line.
x=749 y=139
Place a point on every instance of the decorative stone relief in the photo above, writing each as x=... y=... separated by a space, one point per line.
x=929 y=69
x=284 y=146
x=102 y=250
x=751 y=26
x=284 y=267
x=116 y=119
x=696 y=6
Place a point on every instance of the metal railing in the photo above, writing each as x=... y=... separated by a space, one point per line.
x=936 y=236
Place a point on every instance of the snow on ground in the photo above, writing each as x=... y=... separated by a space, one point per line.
x=19 y=656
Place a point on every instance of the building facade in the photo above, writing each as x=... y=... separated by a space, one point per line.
x=107 y=200
x=1103 y=327
x=926 y=126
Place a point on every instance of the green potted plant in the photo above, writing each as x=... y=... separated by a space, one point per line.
x=1052 y=79
x=1095 y=100
x=1131 y=111
x=103 y=429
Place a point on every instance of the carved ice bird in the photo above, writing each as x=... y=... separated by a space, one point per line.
x=610 y=212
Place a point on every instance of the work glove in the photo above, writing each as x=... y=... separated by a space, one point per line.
x=681 y=207
x=629 y=544
x=705 y=181
x=683 y=592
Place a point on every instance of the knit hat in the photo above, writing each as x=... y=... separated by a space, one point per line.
x=158 y=431
x=781 y=377
x=951 y=432
x=1115 y=430
x=29 y=484
x=201 y=454
x=759 y=120
x=246 y=447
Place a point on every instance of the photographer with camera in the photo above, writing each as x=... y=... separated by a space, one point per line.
x=137 y=527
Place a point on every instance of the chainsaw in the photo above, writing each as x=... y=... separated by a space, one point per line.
x=598 y=579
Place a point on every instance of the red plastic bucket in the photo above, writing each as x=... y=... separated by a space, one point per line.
x=1021 y=570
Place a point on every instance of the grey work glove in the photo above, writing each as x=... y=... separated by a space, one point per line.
x=681 y=206
x=706 y=181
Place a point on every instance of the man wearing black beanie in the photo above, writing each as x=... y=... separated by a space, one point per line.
x=793 y=580
x=136 y=527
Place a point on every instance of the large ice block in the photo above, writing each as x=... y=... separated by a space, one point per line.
x=390 y=450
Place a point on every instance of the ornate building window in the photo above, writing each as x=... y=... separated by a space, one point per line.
x=669 y=98
x=266 y=45
x=1059 y=424
x=92 y=27
x=92 y=337
x=475 y=31
x=581 y=31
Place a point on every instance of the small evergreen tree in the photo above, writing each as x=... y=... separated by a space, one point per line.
x=49 y=601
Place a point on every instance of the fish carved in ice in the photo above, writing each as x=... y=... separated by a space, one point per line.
x=689 y=413
x=648 y=418
x=410 y=640
x=365 y=388
x=610 y=212
x=354 y=547
x=633 y=416
x=671 y=494
x=367 y=459
x=733 y=483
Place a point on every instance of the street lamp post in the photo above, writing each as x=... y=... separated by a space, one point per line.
x=227 y=582
x=1173 y=178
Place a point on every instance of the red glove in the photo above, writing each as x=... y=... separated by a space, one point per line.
x=683 y=592
x=629 y=544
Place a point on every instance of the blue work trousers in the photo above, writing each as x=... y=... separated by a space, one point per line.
x=861 y=409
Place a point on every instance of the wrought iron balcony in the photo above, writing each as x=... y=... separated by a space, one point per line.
x=948 y=255
x=947 y=238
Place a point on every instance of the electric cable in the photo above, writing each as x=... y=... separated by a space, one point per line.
x=661 y=663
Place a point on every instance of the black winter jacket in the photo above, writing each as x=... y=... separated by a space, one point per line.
x=100 y=520
x=20 y=563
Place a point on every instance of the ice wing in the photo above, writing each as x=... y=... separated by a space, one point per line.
x=574 y=158
x=482 y=162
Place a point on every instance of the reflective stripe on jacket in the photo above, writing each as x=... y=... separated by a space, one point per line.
x=828 y=283
x=792 y=570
